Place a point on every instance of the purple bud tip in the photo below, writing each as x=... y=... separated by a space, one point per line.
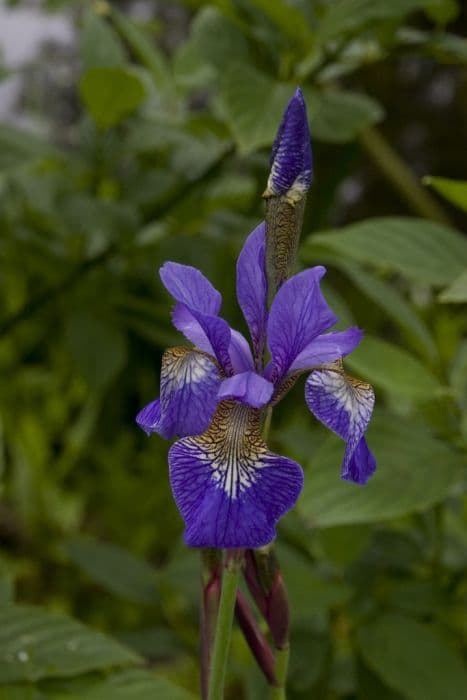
x=291 y=159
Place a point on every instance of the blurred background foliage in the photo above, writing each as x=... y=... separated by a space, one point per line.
x=143 y=135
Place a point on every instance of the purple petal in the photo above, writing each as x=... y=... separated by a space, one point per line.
x=248 y=388
x=291 y=158
x=209 y=333
x=327 y=348
x=252 y=287
x=189 y=385
x=299 y=313
x=190 y=287
x=229 y=488
x=344 y=405
x=185 y=322
x=239 y=352
x=149 y=417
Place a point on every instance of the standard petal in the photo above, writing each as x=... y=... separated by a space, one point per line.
x=209 y=333
x=291 y=158
x=252 y=287
x=344 y=405
x=239 y=352
x=327 y=348
x=190 y=381
x=229 y=488
x=149 y=418
x=299 y=313
x=248 y=388
x=190 y=287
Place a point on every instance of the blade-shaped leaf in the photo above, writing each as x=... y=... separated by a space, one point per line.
x=455 y=191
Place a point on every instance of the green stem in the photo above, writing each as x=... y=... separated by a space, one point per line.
x=282 y=663
x=401 y=176
x=224 y=624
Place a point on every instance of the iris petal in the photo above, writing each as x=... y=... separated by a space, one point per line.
x=326 y=348
x=252 y=287
x=299 y=313
x=344 y=405
x=190 y=287
x=189 y=384
x=291 y=158
x=229 y=488
x=248 y=388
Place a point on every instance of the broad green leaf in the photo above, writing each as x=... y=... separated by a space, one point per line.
x=253 y=105
x=415 y=470
x=386 y=296
x=7 y=589
x=217 y=40
x=336 y=116
x=18 y=147
x=146 y=51
x=116 y=569
x=455 y=191
x=288 y=18
x=111 y=94
x=456 y=293
x=130 y=685
x=99 y=44
x=308 y=592
x=394 y=370
x=424 y=251
x=97 y=346
x=413 y=659
x=20 y=692
x=348 y=16
x=37 y=644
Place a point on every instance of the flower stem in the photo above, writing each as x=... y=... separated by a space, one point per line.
x=395 y=169
x=282 y=663
x=224 y=624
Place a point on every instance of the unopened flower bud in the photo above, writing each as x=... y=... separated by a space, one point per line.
x=264 y=579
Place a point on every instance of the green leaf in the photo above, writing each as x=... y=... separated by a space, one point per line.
x=288 y=18
x=387 y=297
x=132 y=685
x=18 y=147
x=146 y=51
x=253 y=105
x=456 y=293
x=119 y=571
x=423 y=251
x=97 y=346
x=37 y=644
x=111 y=94
x=337 y=116
x=455 y=191
x=349 y=16
x=99 y=44
x=413 y=659
x=394 y=370
x=415 y=470
x=18 y=692
x=217 y=40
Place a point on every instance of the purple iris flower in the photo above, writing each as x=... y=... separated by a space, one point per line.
x=229 y=487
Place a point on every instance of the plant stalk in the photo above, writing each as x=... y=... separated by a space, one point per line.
x=278 y=691
x=395 y=169
x=225 y=615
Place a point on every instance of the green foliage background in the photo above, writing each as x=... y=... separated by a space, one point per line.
x=166 y=157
